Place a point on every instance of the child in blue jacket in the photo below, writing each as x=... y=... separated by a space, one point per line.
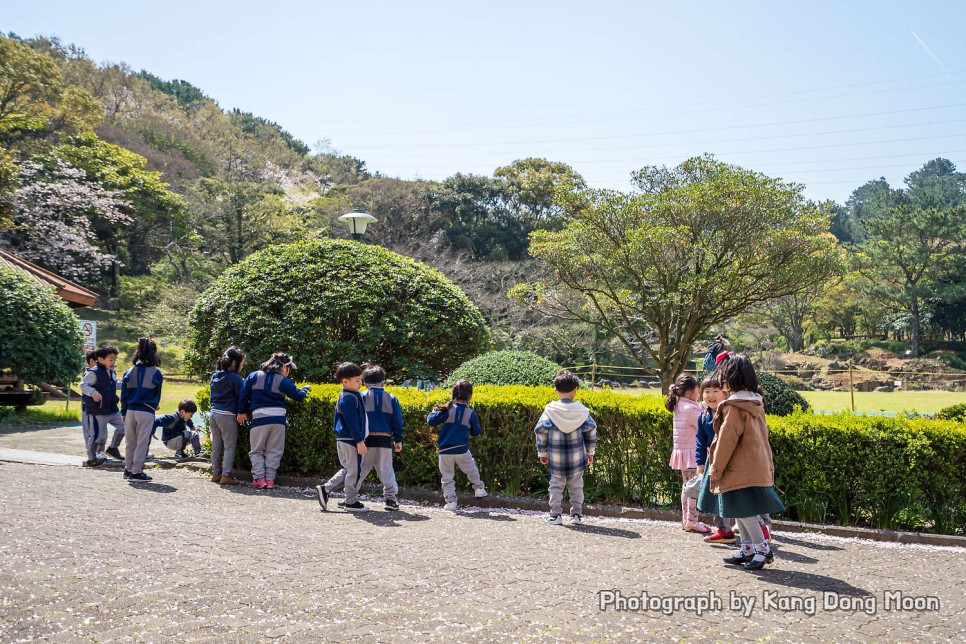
x=264 y=392
x=140 y=398
x=226 y=388
x=178 y=430
x=351 y=429
x=459 y=422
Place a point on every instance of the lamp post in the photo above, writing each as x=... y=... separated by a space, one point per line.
x=357 y=220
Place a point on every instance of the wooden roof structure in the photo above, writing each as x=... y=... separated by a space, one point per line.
x=75 y=295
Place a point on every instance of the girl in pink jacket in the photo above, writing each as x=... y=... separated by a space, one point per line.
x=682 y=400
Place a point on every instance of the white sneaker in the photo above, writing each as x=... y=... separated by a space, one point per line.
x=452 y=507
x=575 y=520
x=481 y=493
x=555 y=519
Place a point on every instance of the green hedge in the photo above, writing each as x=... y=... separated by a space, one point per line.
x=895 y=473
x=506 y=368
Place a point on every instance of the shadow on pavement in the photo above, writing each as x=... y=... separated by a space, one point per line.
x=606 y=532
x=386 y=519
x=805 y=544
x=486 y=514
x=808 y=581
x=794 y=556
x=160 y=488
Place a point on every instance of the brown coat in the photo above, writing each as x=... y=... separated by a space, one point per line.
x=740 y=453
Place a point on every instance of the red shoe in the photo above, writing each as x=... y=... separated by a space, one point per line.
x=721 y=536
x=269 y=485
x=260 y=484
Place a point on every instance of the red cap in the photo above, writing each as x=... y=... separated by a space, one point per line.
x=721 y=356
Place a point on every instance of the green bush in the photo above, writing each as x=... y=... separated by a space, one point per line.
x=895 y=473
x=333 y=300
x=953 y=412
x=780 y=398
x=41 y=339
x=506 y=368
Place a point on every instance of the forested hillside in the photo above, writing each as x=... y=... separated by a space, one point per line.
x=145 y=189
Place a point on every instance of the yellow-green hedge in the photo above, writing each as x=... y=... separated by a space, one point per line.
x=886 y=472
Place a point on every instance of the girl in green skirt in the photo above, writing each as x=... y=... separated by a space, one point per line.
x=740 y=477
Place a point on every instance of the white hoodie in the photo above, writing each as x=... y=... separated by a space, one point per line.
x=566 y=416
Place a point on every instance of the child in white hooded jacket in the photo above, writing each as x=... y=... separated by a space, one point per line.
x=566 y=438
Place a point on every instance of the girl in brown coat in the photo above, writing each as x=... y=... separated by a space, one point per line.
x=740 y=477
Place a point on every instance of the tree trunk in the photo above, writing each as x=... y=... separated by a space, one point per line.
x=914 y=353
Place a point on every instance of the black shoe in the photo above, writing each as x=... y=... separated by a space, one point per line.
x=739 y=558
x=140 y=478
x=180 y=456
x=758 y=565
x=93 y=462
x=341 y=504
x=127 y=474
x=323 y=497
x=356 y=507
x=114 y=452
x=100 y=461
x=392 y=504
x=199 y=455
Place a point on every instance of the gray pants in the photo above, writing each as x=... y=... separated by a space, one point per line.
x=447 y=465
x=178 y=443
x=138 y=427
x=268 y=445
x=380 y=458
x=348 y=476
x=118 y=431
x=575 y=485
x=223 y=430
x=95 y=431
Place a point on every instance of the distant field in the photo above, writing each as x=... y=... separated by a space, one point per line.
x=55 y=410
x=924 y=402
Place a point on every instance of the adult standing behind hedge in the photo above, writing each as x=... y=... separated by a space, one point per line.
x=265 y=391
x=740 y=478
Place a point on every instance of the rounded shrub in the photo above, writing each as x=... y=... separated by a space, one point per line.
x=331 y=301
x=507 y=368
x=780 y=398
x=953 y=412
x=41 y=339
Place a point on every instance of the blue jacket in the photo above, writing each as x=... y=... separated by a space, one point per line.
x=459 y=422
x=351 y=424
x=104 y=381
x=705 y=436
x=172 y=426
x=226 y=389
x=264 y=392
x=383 y=412
x=141 y=389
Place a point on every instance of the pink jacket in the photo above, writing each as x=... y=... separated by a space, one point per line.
x=686 y=414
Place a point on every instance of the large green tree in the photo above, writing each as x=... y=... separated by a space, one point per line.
x=697 y=245
x=915 y=240
x=41 y=339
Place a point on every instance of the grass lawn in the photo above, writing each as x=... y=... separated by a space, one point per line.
x=57 y=410
x=924 y=402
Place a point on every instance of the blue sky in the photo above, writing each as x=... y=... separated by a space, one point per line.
x=829 y=94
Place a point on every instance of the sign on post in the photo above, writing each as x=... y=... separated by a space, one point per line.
x=89 y=328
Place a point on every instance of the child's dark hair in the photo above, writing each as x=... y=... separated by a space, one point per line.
x=187 y=405
x=105 y=350
x=709 y=382
x=681 y=386
x=373 y=375
x=347 y=370
x=231 y=359
x=147 y=353
x=736 y=373
x=276 y=362
x=565 y=382
x=462 y=392
x=91 y=355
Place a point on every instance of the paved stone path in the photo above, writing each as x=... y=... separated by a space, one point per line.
x=86 y=556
